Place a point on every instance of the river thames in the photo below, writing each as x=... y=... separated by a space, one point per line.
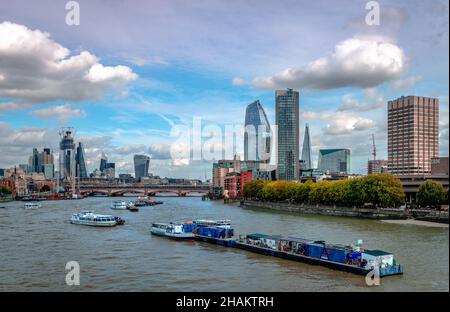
x=37 y=244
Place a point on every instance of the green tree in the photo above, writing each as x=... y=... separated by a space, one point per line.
x=430 y=194
x=5 y=190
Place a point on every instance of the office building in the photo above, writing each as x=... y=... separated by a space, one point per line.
x=103 y=161
x=439 y=166
x=413 y=135
x=66 y=155
x=287 y=121
x=377 y=166
x=257 y=133
x=334 y=160
x=141 y=165
x=80 y=163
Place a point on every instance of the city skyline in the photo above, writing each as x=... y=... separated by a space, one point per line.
x=152 y=87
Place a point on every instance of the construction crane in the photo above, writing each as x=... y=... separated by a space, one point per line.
x=374 y=149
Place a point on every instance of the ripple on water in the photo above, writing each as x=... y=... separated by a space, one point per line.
x=36 y=244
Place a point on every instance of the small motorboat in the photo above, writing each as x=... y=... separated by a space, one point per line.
x=119 y=205
x=119 y=220
x=171 y=230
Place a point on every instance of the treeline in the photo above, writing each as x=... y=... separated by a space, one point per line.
x=381 y=190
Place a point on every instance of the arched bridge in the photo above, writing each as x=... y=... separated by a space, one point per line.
x=181 y=191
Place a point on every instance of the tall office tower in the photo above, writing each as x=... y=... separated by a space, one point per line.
x=103 y=161
x=257 y=133
x=413 y=134
x=287 y=121
x=47 y=165
x=66 y=154
x=306 y=151
x=34 y=162
x=141 y=164
x=80 y=163
x=110 y=171
x=334 y=160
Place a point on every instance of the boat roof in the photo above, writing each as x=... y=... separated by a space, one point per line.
x=160 y=223
x=297 y=239
x=259 y=236
x=377 y=253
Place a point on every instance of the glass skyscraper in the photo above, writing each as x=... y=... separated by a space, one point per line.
x=81 y=171
x=306 y=151
x=66 y=154
x=257 y=133
x=287 y=121
x=334 y=160
x=141 y=164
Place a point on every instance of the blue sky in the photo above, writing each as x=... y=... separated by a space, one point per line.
x=132 y=70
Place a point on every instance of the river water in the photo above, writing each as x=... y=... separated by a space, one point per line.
x=37 y=244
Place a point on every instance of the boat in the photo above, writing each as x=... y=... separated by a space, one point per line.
x=119 y=220
x=216 y=235
x=32 y=205
x=225 y=224
x=348 y=258
x=132 y=207
x=119 y=205
x=171 y=230
x=93 y=219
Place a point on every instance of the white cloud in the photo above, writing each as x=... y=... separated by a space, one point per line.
x=36 y=69
x=238 y=81
x=6 y=107
x=407 y=83
x=355 y=62
x=343 y=123
x=375 y=101
x=142 y=61
x=61 y=112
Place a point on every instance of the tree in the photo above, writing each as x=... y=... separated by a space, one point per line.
x=5 y=190
x=430 y=194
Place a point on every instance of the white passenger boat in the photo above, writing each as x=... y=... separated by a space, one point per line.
x=90 y=218
x=171 y=230
x=223 y=224
x=32 y=205
x=119 y=205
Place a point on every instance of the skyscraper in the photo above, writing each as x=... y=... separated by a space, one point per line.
x=80 y=163
x=257 y=133
x=66 y=154
x=287 y=121
x=306 y=151
x=334 y=160
x=33 y=162
x=413 y=134
x=103 y=161
x=141 y=164
x=46 y=162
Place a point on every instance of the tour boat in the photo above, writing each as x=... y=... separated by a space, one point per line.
x=32 y=205
x=90 y=218
x=119 y=205
x=171 y=230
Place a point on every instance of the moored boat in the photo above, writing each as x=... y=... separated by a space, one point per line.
x=225 y=224
x=92 y=219
x=119 y=205
x=171 y=230
x=32 y=205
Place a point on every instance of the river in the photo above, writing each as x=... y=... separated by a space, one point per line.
x=37 y=244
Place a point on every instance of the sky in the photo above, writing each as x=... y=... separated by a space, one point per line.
x=138 y=76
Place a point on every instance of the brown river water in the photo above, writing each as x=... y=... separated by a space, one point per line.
x=37 y=244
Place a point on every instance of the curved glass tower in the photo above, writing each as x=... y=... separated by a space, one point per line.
x=80 y=168
x=141 y=164
x=257 y=133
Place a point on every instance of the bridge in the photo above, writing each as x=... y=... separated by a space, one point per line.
x=142 y=190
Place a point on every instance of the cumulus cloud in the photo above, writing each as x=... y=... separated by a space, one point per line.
x=373 y=101
x=159 y=151
x=404 y=84
x=355 y=62
x=61 y=112
x=36 y=69
x=342 y=123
